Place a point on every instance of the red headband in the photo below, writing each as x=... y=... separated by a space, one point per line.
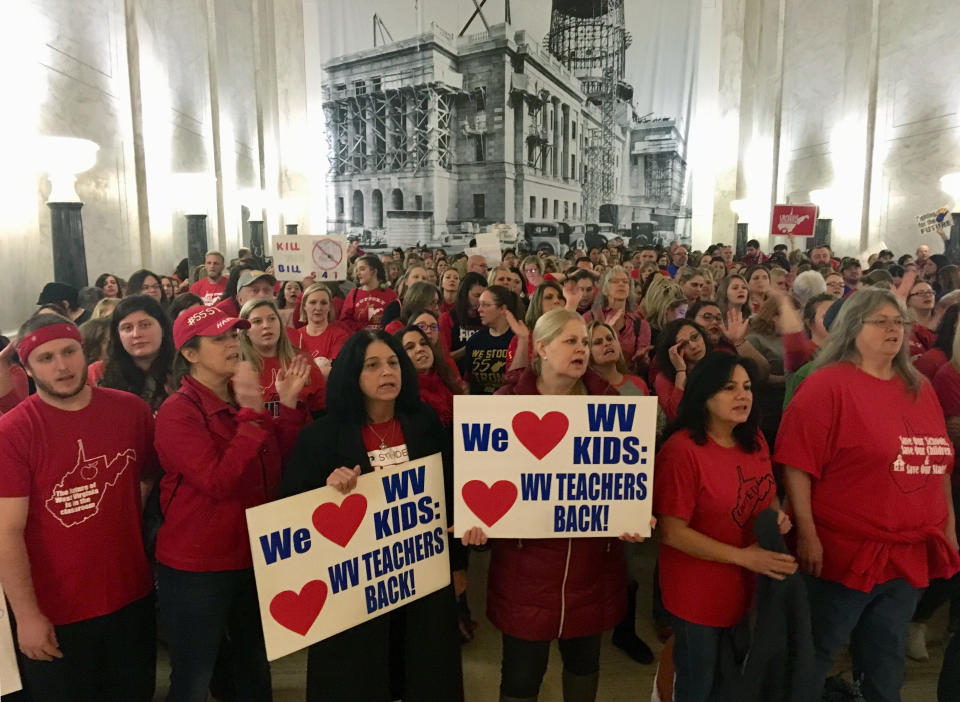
x=44 y=334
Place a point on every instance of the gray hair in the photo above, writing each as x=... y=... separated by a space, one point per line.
x=841 y=342
x=605 y=282
x=809 y=284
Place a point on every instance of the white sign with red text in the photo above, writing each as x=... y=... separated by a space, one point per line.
x=297 y=256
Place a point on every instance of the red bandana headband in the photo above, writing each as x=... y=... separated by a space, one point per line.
x=44 y=334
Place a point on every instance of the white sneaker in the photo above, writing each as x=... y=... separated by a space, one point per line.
x=917 y=642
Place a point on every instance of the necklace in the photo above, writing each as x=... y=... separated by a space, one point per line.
x=383 y=441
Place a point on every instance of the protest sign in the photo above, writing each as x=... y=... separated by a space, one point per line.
x=326 y=562
x=547 y=466
x=9 y=672
x=297 y=256
x=794 y=220
x=935 y=222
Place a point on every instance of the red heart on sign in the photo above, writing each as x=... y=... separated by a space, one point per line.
x=540 y=435
x=489 y=502
x=298 y=612
x=340 y=522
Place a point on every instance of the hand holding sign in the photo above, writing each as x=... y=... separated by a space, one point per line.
x=571 y=466
x=325 y=563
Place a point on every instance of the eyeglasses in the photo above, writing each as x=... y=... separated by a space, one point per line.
x=424 y=327
x=897 y=323
x=922 y=293
x=708 y=317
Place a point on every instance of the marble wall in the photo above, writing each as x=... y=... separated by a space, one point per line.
x=216 y=87
x=855 y=99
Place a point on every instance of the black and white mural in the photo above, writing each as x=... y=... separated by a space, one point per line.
x=560 y=118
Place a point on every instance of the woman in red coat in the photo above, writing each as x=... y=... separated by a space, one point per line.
x=539 y=590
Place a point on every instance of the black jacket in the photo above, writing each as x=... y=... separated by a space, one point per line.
x=331 y=443
x=413 y=652
x=779 y=666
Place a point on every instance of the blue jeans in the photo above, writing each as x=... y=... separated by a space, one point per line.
x=198 y=611
x=697 y=654
x=875 y=623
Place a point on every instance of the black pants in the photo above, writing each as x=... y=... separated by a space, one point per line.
x=112 y=658
x=525 y=662
x=411 y=653
x=198 y=611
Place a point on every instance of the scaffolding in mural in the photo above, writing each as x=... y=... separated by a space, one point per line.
x=589 y=38
x=393 y=122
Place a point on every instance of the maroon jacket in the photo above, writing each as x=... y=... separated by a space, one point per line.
x=543 y=589
x=218 y=461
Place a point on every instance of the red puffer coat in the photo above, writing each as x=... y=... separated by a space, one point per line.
x=543 y=589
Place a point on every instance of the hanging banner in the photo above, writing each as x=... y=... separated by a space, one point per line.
x=937 y=222
x=9 y=672
x=297 y=256
x=326 y=562
x=794 y=220
x=538 y=467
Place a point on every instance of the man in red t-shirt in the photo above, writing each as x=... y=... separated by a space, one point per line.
x=72 y=562
x=211 y=288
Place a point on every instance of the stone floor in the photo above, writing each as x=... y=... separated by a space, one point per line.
x=621 y=679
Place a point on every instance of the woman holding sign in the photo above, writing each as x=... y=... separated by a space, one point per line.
x=375 y=419
x=544 y=589
x=713 y=477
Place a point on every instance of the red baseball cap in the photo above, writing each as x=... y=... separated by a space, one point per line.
x=206 y=321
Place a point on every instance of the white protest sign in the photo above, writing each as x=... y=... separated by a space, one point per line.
x=488 y=240
x=297 y=256
x=935 y=222
x=9 y=672
x=531 y=466
x=325 y=561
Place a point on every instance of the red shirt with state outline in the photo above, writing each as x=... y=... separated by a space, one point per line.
x=718 y=491
x=81 y=472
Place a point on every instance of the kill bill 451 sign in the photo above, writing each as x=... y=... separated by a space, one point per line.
x=297 y=256
x=539 y=467
x=326 y=562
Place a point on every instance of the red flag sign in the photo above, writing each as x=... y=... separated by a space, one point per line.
x=793 y=220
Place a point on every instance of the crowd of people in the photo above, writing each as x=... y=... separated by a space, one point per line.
x=808 y=410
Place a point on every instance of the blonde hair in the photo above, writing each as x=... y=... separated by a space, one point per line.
x=285 y=350
x=660 y=294
x=549 y=327
x=535 y=260
x=104 y=308
x=316 y=287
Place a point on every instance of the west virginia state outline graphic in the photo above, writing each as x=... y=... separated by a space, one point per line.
x=77 y=496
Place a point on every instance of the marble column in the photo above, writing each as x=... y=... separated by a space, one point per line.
x=196 y=239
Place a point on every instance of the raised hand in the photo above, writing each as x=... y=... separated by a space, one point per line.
x=736 y=327
x=615 y=317
x=246 y=387
x=516 y=326
x=675 y=358
x=291 y=381
x=572 y=295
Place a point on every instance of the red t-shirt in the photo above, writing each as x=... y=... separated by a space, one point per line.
x=208 y=291
x=632 y=385
x=947 y=384
x=313 y=397
x=877 y=456
x=324 y=345
x=921 y=340
x=385 y=444
x=81 y=471
x=929 y=362
x=718 y=491
x=95 y=373
x=363 y=309
x=668 y=395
